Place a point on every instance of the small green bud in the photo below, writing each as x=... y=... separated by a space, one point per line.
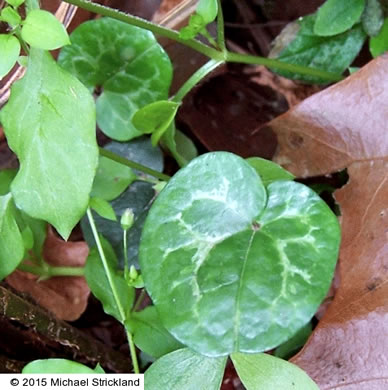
x=133 y=274
x=127 y=219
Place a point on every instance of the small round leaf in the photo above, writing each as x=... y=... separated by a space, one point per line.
x=335 y=17
x=42 y=30
x=207 y=9
x=233 y=267
x=263 y=372
x=126 y=64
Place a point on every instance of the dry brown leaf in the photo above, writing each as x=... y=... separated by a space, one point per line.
x=66 y=297
x=345 y=126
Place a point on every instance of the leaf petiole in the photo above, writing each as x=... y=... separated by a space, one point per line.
x=133 y=164
x=47 y=271
x=113 y=288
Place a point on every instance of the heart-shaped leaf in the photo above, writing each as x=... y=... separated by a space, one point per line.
x=50 y=124
x=231 y=267
x=263 y=372
x=185 y=369
x=126 y=62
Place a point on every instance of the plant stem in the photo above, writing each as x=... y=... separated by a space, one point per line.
x=195 y=79
x=220 y=28
x=126 y=271
x=22 y=43
x=133 y=164
x=49 y=271
x=200 y=47
x=139 y=300
x=132 y=350
x=155 y=28
x=105 y=265
x=272 y=63
x=113 y=289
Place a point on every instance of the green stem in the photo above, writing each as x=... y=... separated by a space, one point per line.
x=200 y=47
x=139 y=300
x=114 y=290
x=195 y=79
x=272 y=63
x=132 y=164
x=125 y=248
x=105 y=265
x=22 y=43
x=220 y=28
x=49 y=271
x=155 y=28
x=132 y=350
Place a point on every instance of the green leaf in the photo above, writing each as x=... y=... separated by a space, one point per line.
x=11 y=240
x=59 y=366
x=98 y=282
x=150 y=335
x=263 y=372
x=268 y=170
x=6 y=177
x=208 y=9
x=49 y=123
x=335 y=17
x=28 y=238
x=15 y=3
x=185 y=146
x=155 y=118
x=233 y=268
x=9 y=15
x=333 y=54
x=42 y=30
x=379 y=44
x=137 y=197
x=9 y=53
x=111 y=179
x=38 y=229
x=184 y=369
x=180 y=146
x=373 y=17
x=103 y=208
x=294 y=344
x=126 y=62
